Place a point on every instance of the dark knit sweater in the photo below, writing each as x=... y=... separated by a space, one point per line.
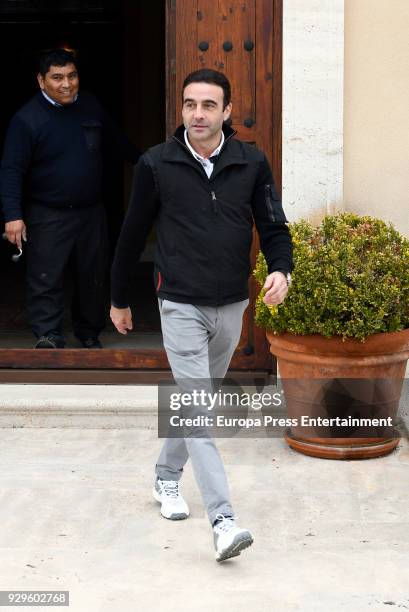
x=53 y=155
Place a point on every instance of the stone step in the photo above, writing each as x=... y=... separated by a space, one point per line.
x=96 y=406
x=88 y=406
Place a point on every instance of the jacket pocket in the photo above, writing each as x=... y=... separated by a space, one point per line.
x=274 y=206
x=93 y=135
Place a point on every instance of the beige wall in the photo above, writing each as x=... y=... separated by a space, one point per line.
x=376 y=109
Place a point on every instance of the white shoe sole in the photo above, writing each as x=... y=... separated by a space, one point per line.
x=175 y=516
x=240 y=542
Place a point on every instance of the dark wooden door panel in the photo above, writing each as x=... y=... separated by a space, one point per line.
x=230 y=24
x=83 y=358
x=105 y=359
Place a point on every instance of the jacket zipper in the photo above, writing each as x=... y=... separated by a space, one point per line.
x=212 y=193
x=216 y=210
x=214 y=202
x=269 y=202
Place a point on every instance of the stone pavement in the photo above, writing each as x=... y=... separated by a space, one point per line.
x=76 y=513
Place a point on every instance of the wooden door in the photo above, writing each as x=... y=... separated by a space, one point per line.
x=243 y=39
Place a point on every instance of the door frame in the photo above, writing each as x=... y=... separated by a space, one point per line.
x=115 y=366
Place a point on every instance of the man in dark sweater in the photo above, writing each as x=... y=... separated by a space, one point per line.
x=203 y=188
x=51 y=191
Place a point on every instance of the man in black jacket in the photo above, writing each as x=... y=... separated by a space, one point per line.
x=51 y=191
x=203 y=188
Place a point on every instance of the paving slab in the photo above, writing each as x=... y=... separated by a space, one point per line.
x=76 y=513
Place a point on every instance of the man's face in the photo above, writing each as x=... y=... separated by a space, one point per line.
x=202 y=111
x=60 y=83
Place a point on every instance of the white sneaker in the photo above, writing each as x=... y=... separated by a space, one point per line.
x=167 y=493
x=229 y=540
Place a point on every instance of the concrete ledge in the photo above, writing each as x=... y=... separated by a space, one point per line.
x=78 y=396
x=94 y=406
x=89 y=406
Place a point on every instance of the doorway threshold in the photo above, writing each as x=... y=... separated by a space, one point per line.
x=109 y=340
x=135 y=351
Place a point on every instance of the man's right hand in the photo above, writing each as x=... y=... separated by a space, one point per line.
x=122 y=319
x=16 y=232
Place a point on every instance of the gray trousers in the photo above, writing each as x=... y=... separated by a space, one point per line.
x=199 y=343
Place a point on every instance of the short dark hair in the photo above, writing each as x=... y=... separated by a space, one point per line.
x=55 y=57
x=207 y=75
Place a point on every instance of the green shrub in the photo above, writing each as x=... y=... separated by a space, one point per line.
x=350 y=279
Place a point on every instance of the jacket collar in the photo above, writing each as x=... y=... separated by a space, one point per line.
x=176 y=151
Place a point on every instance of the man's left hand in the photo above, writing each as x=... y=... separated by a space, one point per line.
x=277 y=288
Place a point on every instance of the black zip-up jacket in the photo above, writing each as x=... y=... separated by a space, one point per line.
x=203 y=225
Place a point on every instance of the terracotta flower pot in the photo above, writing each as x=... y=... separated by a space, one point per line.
x=314 y=368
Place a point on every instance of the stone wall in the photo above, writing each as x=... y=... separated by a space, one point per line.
x=313 y=50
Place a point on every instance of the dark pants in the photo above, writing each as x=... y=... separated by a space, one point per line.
x=55 y=237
